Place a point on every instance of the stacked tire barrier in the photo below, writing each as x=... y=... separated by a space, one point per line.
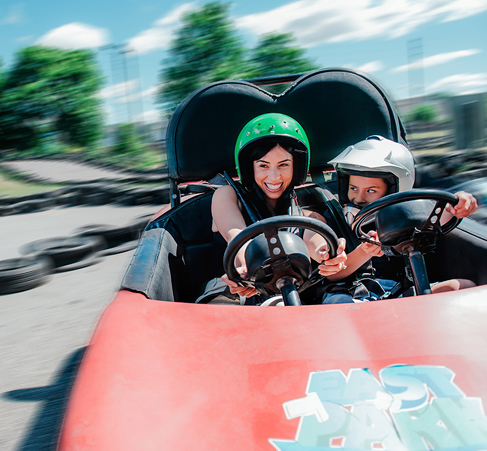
x=85 y=194
x=24 y=273
x=87 y=246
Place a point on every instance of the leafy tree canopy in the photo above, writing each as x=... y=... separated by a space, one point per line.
x=206 y=49
x=128 y=141
x=275 y=54
x=49 y=90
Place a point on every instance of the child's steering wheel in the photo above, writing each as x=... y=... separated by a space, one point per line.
x=409 y=229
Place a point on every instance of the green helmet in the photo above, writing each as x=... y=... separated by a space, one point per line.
x=266 y=130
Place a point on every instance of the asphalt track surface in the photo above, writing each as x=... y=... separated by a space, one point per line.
x=60 y=171
x=44 y=331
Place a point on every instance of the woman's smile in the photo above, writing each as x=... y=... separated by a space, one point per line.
x=274 y=188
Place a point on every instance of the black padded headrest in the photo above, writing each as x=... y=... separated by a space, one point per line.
x=336 y=108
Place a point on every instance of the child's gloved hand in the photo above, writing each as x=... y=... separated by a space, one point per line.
x=330 y=266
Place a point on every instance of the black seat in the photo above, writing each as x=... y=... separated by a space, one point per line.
x=336 y=107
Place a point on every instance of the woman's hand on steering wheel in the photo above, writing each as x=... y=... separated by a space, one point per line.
x=330 y=266
x=235 y=288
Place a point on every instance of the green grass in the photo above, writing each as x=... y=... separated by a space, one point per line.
x=429 y=134
x=150 y=158
x=13 y=186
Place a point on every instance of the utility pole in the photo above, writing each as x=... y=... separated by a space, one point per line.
x=139 y=81
x=415 y=68
x=122 y=52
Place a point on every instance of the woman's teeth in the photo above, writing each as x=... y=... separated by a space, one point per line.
x=273 y=187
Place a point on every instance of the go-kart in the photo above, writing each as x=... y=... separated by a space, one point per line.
x=165 y=373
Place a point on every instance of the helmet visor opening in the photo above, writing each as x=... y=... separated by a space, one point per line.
x=344 y=180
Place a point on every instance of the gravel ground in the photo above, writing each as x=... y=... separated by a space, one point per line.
x=43 y=331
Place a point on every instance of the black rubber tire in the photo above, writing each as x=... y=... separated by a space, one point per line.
x=154 y=195
x=96 y=199
x=7 y=210
x=26 y=206
x=24 y=273
x=122 y=247
x=88 y=260
x=117 y=239
x=72 y=199
x=68 y=253
x=30 y=206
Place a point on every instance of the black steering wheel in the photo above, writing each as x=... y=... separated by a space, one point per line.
x=409 y=224
x=280 y=274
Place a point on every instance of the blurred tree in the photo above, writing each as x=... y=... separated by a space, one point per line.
x=50 y=90
x=275 y=54
x=128 y=141
x=424 y=114
x=2 y=75
x=12 y=134
x=205 y=49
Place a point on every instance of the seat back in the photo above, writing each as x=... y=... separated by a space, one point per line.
x=175 y=258
x=336 y=108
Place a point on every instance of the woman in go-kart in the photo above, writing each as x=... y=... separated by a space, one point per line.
x=272 y=157
x=367 y=171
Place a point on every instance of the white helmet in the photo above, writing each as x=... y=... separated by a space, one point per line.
x=375 y=157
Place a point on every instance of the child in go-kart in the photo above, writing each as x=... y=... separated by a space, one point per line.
x=272 y=157
x=366 y=172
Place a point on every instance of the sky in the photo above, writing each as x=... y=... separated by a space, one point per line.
x=409 y=47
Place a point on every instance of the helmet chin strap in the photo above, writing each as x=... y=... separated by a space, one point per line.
x=351 y=211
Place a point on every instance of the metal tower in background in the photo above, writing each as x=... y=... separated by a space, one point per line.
x=415 y=68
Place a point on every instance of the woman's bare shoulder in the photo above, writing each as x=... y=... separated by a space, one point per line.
x=224 y=205
x=224 y=192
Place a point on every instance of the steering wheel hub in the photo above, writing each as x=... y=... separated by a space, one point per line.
x=287 y=255
x=281 y=256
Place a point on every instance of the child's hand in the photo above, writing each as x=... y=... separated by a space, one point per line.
x=467 y=204
x=330 y=266
x=373 y=250
x=237 y=289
